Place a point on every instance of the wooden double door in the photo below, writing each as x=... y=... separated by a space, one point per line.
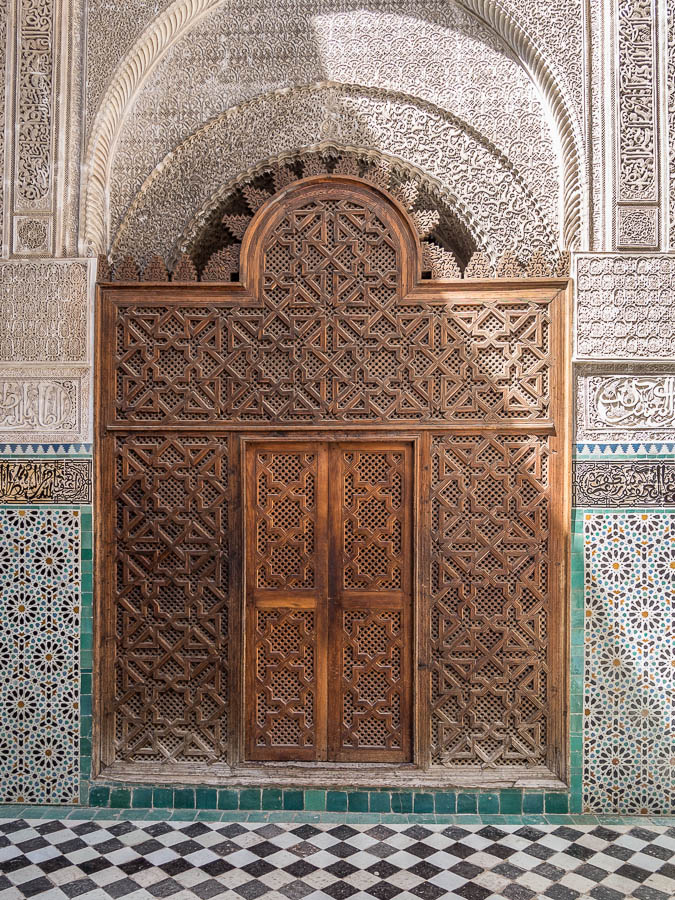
x=329 y=600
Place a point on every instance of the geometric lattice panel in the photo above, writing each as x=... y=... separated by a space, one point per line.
x=329 y=335
x=629 y=680
x=171 y=589
x=372 y=670
x=285 y=679
x=40 y=582
x=489 y=587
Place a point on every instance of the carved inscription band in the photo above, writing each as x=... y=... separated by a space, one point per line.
x=626 y=407
x=614 y=484
x=45 y=481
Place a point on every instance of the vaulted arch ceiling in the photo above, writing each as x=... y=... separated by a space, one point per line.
x=201 y=59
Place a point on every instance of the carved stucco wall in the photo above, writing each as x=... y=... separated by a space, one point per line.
x=671 y=115
x=529 y=135
x=434 y=52
x=3 y=70
x=45 y=358
x=497 y=201
x=114 y=28
x=42 y=61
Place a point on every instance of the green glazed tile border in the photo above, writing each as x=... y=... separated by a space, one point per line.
x=210 y=815
x=417 y=804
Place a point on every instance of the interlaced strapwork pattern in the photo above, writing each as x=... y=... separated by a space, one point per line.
x=372 y=520
x=285 y=520
x=372 y=679
x=285 y=679
x=331 y=339
x=171 y=588
x=489 y=586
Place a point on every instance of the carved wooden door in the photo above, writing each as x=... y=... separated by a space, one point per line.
x=329 y=600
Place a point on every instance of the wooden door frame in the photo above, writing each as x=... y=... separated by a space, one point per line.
x=238 y=651
x=556 y=290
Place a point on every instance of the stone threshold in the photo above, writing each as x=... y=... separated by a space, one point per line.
x=340 y=777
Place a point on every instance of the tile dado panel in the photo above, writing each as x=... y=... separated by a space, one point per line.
x=629 y=681
x=40 y=604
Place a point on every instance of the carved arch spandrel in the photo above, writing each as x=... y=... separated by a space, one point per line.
x=181 y=16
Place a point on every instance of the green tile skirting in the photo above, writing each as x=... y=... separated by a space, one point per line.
x=505 y=802
x=83 y=813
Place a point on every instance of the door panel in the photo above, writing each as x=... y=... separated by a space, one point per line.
x=285 y=589
x=329 y=601
x=371 y=602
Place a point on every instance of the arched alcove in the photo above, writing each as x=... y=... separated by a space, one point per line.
x=173 y=83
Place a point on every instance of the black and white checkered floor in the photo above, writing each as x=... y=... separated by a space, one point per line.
x=198 y=860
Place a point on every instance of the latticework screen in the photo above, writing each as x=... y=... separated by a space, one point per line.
x=490 y=601
x=171 y=588
x=334 y=469
x=332 y=339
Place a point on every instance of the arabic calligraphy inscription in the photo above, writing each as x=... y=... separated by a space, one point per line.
x=616 y=484
x=34 y=403
x=626 y=407
x=40 y=481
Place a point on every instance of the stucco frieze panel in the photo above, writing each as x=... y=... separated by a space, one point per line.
x=500 y=209
x=637 y=126
x=625 y=306
x=434 y=51
x=43 y=403
x=44 y=310
x=34 y=103
x=671 y=113
x=625 y=406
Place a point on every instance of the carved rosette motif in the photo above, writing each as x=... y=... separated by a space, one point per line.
x=31 y=235
x=637 y=226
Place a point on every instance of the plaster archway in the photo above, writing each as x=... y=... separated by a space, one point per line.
x=180 y=20
x=486 y=185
